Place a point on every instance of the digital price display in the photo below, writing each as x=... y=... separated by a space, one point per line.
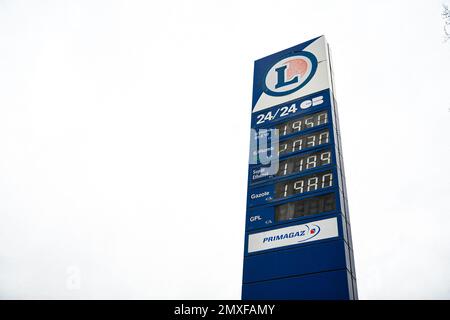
x=304 y=162
x=302 y=123
x=309 y=183
x=305 y=207
x=293 y=165
x=304 y=142
x=297 y=239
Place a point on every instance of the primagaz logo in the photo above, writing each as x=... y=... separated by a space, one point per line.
x=290 y=74
x=304 y=234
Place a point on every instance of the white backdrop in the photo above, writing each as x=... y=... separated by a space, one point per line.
x=124 y=135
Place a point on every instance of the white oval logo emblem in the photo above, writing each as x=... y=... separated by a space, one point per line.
x=290 y=74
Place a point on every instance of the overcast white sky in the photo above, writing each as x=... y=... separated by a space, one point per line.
x=124 y=142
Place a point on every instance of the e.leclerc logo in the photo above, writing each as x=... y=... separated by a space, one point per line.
x=290 y=74
x=304 y=234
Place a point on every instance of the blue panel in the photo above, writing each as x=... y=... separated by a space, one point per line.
x=332 y=285
x=264 y=216
x=260 y=174
x=261 y=195
x=272 y=116
x=305 y=186
x=263 y=64
x=293 y=262
x=265 y=194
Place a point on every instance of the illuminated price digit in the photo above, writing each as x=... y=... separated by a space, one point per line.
x=285 y=168
x=286 y=186
x=283 y=148
x=300 y=165
x=297 y=126
x=311 y=162
x=325 y=158
x=322 y=118
x=311 y=143
x=327 y=180
x=323 y=137
x=298 y=142
x=312 y=183
x=299 y=186
x=309 y=122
